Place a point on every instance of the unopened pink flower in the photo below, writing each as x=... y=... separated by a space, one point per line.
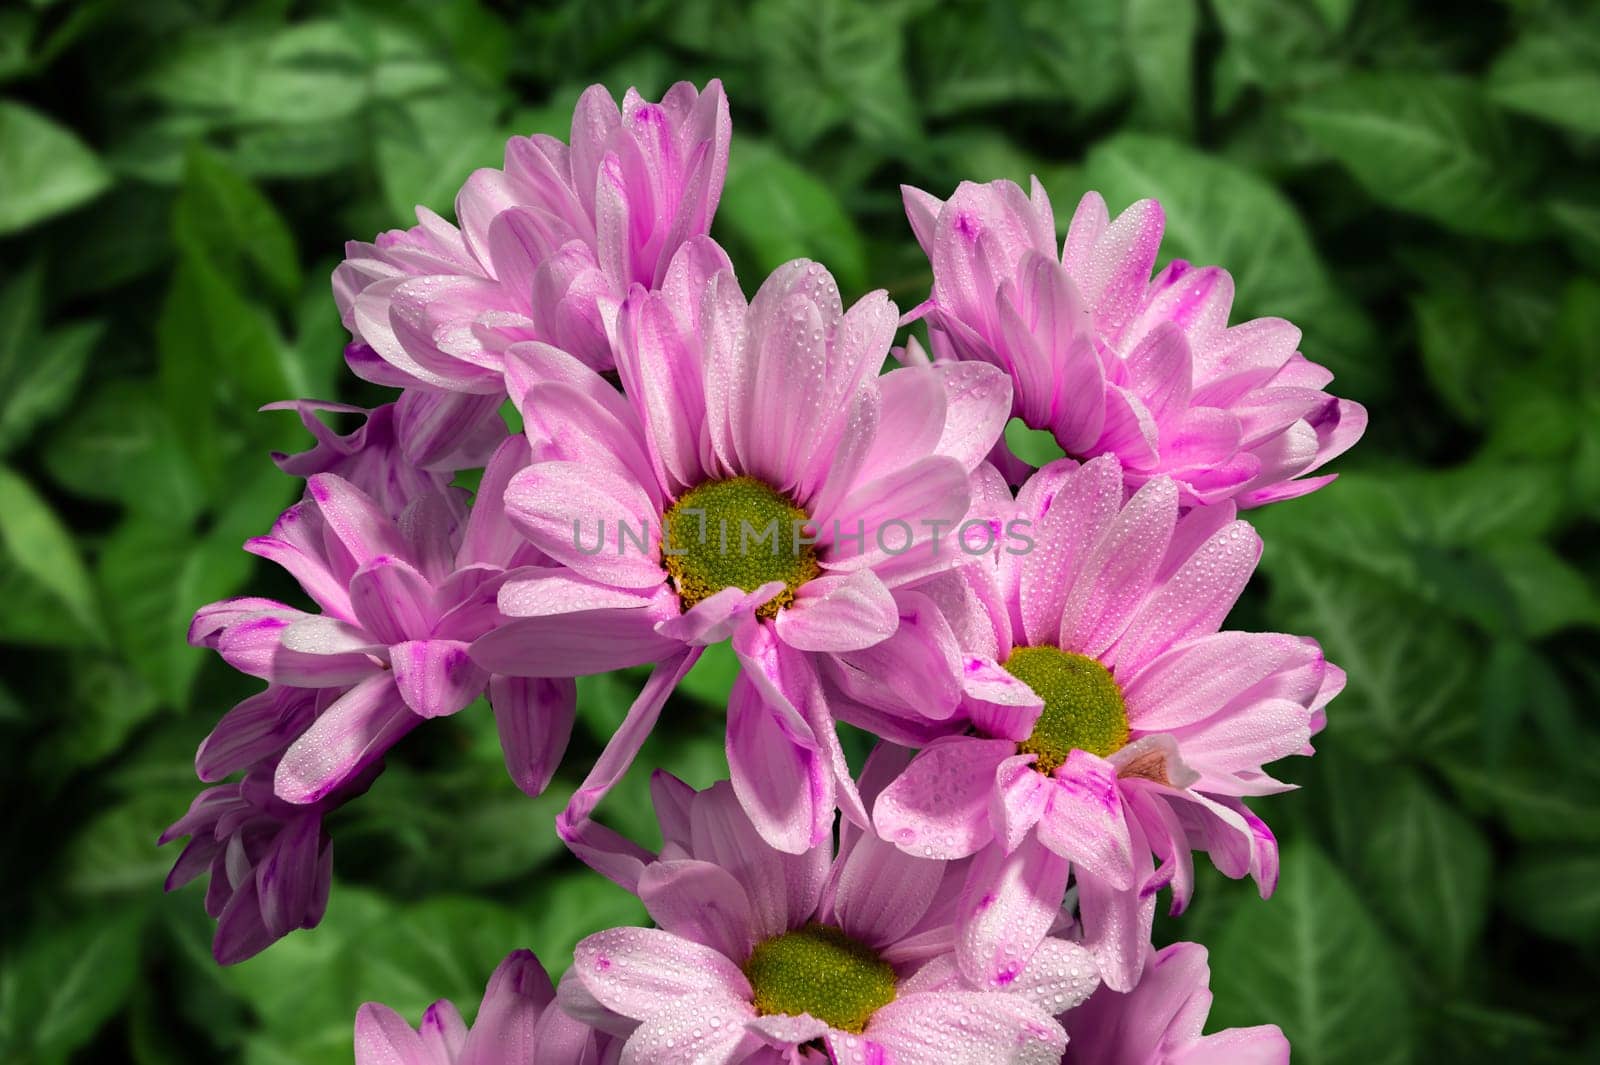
x=401 y=601
x=676 y=509
x=758 y=953
x=1160 y=1021
x=270 y=861
x=1113 y=362
x=1112 y=722
x=547 y=247
x=518 y=1023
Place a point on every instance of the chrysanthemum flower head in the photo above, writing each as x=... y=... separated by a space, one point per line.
x=1113 y=362
x=546 y=247
x=1160 y=1022
x=758 y=954
x=518 y=1021
x=755 y=479
x=1112 y=723
x=401 y=599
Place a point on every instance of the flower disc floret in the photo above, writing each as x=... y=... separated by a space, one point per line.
x=821 y=971
x=736 y=533
x=1083 y=706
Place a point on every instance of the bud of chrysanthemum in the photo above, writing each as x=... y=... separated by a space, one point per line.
x=547 y=248
x=1113 y=362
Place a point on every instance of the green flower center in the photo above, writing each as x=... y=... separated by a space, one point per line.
x=737 y=533
x=821 y=971
x=1083 y=707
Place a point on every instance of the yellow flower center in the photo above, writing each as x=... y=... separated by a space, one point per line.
x=821 y=971
x=1083 y=707
x=736 y=533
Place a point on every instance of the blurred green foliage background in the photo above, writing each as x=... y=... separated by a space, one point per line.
x=1414 y=184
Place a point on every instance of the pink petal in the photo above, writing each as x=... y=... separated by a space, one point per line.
x=568 y=509
x=392 y=600
x=783 y=889
x=574 y=645
x=883 y=893
x=939 y=807
x=999 y=704
x=839 y=612
x=1085 y=821
x=777 y=772
x=952 y=1026
x=384 y=1038
x=685 y=1027
x=1008 y=904
x=1117 y=575
x=350 y=735
x=436 y=678
x=603 y=850
x=700 y=902
x=506 y=1027
x=638 y=972
x=1075 y=518
x=1202 y=676
x=534 y=716
x=1194 y=600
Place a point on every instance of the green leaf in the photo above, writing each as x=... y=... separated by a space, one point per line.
x=312 y=72
x=44 y=168
x=1037 y=447
x=831 y=62
x=222 y=218
x=1409 y=670
x=427 y=148
x=221 y=356
x=1219 y=213
x=773 y=211
x=1471 y=506
x=39 y=373
x=1427 y=144
x=65 y=981
x=712 y=677
x=1426 y=868
x=1554 y=75
x=1557 y=894
x=1551 y=593
x=38 y=545
x=120 y=446
x=1459 y=350
x=1161 y=43
x=155 y=573
x=1534 y=804
x=997 y=53
x=1274 y=44
x=1312 y=960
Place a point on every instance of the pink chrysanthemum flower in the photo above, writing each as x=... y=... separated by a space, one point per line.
x=546 y=249
x=765 y=956
x=518 y=1023
x=1112 y=722
x=1160 y=1021
x=401 y=600
x=1113 y=362
x=768 y=420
